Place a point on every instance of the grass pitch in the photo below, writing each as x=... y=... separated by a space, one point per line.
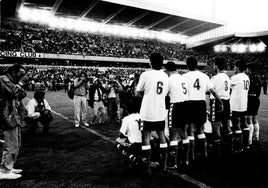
x=74 y=157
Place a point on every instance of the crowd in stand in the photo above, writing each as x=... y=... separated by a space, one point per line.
x=56 y=78
x=65 y=42
x=45 y=40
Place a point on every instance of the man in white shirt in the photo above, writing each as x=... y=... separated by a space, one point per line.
x=153 y=84
x=38 y=111
x=198 y=84
x=178 y=113
x=238 y=101
x=221 y=85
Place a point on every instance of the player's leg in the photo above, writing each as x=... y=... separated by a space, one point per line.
x=185 y=145
x=237 y=132
x=216 y=138
x=201 y=140
x=216 y=124
x=191 y=130
x=174 y=133
x=200 y=121
x=228 y=135
x=146 y=150
x=163 y=148
x=173 y=149
x=251 y=128
x=256 y=133
x=192 y=115
x=255 y=121
x=245 y=131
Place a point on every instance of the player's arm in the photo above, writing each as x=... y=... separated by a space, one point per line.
x=123 y=139
x=140 y=87
x=212 y=91
x=233 y=81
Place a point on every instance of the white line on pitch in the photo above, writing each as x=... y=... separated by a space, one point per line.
x=189 y=179
x=182 y=176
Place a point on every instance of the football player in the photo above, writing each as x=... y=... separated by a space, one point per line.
x=198 y=84
x=221 y=85
x=238 y=101
x=253 y=103
x=153 y=85
x=178 y=114
x=130 y=138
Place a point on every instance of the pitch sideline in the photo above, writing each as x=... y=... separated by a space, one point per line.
x=182 y=176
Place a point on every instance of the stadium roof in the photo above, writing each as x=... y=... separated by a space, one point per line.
x=109 y=12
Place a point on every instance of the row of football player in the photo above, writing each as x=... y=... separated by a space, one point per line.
x=188 y=112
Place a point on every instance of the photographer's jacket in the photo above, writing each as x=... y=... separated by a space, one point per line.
x=10 y=94
x=81 y=90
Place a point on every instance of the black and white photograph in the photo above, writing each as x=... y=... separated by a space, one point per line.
x=133 y=94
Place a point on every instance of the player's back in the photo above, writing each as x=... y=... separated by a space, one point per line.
x=177 y=88
x=154 y=84
x=221 y=84
x=198 y=84
x=131 y=127
x=255 y=85
x=239 y=95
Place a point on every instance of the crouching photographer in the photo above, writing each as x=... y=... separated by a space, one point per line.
x=38 y=111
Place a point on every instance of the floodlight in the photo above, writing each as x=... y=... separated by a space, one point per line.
x=252 y=48
x=24 y=14
x=234 y=48
x=217 y=48
x=223 y=48
x=261 y=47
x=241 y=48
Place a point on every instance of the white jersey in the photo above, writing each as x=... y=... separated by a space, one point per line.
x=177 y=88
x=221 y=85
x=131 y=128
x=198 y=84
x=239 y=95
x=154 y=84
